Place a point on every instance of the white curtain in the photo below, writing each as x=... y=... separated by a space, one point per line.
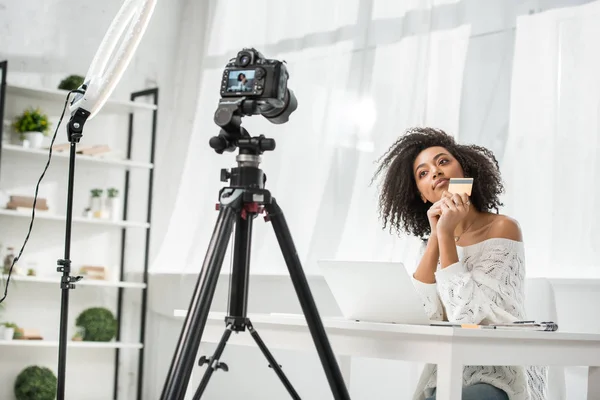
x=358 y=88
x=552 y=154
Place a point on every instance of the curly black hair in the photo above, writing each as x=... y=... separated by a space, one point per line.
x=400 y=203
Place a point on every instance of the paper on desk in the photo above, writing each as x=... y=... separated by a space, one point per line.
x=530 y=326
x=533 y=326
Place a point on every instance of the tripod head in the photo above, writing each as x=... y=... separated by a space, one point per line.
x=232 y=135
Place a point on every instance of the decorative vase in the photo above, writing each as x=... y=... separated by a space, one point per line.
x=8 y=333
x=35 y=139
x=113 y=208
x=96 y=206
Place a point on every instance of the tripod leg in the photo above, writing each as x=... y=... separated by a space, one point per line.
x=272 y=362
x=307 y=302
x=195 y=321
x=213 y=363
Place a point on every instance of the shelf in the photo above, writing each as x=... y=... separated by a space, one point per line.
x=59 y=96
x=11 y=148
x=54 y=343
x=79 y=220
x=83 y=282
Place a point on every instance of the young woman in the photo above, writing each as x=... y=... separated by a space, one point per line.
x=472 y=268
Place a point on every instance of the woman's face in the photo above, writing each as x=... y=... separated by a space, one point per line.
x=432 y=170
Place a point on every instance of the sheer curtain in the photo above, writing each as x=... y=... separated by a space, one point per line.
x=552 y=154
x=363 y=71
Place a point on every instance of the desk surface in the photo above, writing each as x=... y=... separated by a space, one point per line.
x=337 y=325
x=450 y=348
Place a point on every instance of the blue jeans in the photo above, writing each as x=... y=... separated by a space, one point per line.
x=480 y=391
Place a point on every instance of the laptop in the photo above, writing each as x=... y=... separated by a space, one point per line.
x=374 y=291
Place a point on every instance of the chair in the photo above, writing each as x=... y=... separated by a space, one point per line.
x=540 y=305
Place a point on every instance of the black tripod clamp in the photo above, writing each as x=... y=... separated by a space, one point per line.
x=75 y=126
x=67 y=281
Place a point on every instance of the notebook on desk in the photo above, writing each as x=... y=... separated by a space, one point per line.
x=374 y=291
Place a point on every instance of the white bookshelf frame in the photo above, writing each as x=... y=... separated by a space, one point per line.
x=53 y=101
x=70 y=343
x=59 y=96
x=83 y=282
x=64 y=155
x=45 y=215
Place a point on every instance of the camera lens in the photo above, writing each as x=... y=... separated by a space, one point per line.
x=243 y=59
x=281 y=115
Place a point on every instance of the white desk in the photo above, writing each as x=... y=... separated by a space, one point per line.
x=449 y=348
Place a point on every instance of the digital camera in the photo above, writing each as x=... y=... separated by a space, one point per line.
x=252 y=76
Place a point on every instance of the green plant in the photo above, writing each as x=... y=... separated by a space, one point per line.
x=32 y=120
x=36 y=383
x=97 y=192
x=17 y=333
x=98 y=324
x=112 y=192
x=71 y=82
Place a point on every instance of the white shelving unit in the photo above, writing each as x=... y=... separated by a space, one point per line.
x=75 y=344
x=64 y=155
x=44 y=215
x=52 y=102
x=83 y=282
x=56 y=98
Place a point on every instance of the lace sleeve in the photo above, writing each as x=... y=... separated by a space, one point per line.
x=430 y=298
x=428 y=293
x=486 y=288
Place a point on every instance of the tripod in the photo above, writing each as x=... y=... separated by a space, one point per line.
x=239 y=204
x=75 y=133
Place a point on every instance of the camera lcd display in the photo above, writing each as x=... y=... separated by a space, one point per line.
x=240 y=81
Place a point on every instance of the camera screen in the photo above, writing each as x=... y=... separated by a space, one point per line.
x=240 y=81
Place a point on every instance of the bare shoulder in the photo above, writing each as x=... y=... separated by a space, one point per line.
x=505 y=227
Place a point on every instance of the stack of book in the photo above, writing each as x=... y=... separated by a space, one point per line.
x=24 y=203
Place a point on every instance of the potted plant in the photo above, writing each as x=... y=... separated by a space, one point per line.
x=112 y=203
x=71 y=82
x=32 y=126
x=96 y=202
x=36 y=383
x=11 y=331
x=97 y=324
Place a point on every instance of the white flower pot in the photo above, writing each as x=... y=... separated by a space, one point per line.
x=96 y=207
x=35 y=139
x=8 y=333
x=113 y=207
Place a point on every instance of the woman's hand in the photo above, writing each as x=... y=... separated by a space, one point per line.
x=433 y=215
x=454 y=208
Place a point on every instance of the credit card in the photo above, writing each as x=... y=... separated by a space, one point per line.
x=460 y=185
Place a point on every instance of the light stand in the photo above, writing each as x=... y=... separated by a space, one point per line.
x=74 y=133
x=110 y=61
x=239 y=203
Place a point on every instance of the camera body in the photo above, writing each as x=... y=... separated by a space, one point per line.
x=252 y=76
